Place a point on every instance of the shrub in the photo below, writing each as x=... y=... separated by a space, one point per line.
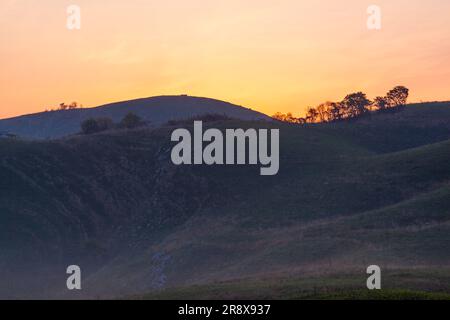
x=130 y=121
x=94 y=125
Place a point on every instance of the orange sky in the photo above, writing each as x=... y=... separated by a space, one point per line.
x=267 y=55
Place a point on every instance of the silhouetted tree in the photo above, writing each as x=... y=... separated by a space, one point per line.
x=94 y=125
x=73 y=105
x=288 y=117
x=130 y=121
x=380 y=103
x=311 y=115
x=356 y=104
x=278 y=116
x=323 y=112
x=337 y=111
x=397 y=97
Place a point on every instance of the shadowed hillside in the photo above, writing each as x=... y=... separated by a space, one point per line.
x=374 y=191
x=156 y=111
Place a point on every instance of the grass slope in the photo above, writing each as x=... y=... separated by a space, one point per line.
x=400 y=285
x=348 y=195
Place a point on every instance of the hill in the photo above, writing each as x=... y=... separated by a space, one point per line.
x=155 y=110
x=347 y=195
x=414 y=284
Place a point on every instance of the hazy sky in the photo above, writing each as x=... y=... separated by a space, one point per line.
x=268 y=55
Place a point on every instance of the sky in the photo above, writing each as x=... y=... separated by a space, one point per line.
x=267 y=55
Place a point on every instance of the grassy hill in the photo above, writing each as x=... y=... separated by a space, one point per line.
x=414 y=284
x=371 y=191
x=156 y=111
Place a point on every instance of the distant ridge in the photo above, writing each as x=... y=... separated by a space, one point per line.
x=156 y=110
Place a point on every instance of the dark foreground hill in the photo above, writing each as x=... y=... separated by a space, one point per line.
x=156 y=111
x=348 y=195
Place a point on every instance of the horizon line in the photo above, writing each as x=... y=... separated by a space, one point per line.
x=176 y=95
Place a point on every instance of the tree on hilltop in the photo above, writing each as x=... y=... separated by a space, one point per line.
x=397 y=97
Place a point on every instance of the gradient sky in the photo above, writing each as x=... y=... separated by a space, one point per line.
x=267 y=55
